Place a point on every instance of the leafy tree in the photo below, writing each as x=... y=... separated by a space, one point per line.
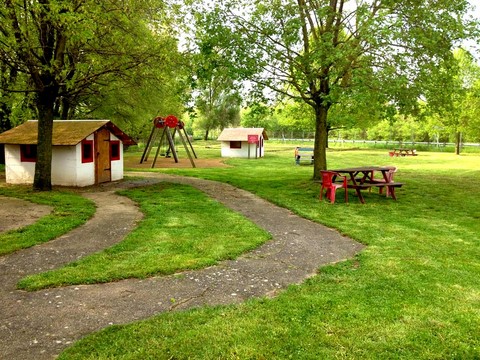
x=295 y=117
x=258 y=115
x=217 y=99
x=322 y=52
x=7 y=78
x=471 y=110
x=218 y=107
x=66 y=49
x=133 y=101
x=463 y=107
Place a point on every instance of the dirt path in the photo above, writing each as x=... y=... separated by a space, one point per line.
x=39 y=325
x=16 y=213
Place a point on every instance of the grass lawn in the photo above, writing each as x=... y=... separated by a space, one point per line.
x=413 y=293
x=176 y=234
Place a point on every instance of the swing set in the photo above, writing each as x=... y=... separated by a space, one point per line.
x=168 y=127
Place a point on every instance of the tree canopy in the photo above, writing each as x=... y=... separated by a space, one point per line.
x=67 y=51
x=340 y=52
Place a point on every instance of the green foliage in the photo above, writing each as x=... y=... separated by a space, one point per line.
x=460 y=114
x=411 y=294
x=175 y=235
x=356 y=57
x=100 y=68
x=295 y=116
x=216 y=96
x=132 y=102
x=69 y=211
x=69 y=52
x=258 y=115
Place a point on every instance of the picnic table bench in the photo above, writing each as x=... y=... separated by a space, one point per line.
x=362 y=178
x=403 y=152
x=303 y=154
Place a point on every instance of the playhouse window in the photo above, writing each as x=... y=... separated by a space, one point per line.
x=235 y=144
x=87 y=151
x=28 y=153
x=115 y=150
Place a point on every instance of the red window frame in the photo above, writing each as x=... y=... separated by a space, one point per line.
x=235 y=144
x=114 y=150
x=28 y=153
x=87 y=151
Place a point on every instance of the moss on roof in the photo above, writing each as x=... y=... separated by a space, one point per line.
x=65 y=132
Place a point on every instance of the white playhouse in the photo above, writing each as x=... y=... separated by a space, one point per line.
x=84 y=152
x=243 y=142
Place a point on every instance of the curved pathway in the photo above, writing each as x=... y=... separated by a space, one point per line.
x=39 y=325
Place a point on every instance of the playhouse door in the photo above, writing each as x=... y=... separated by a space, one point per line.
x=103 y=168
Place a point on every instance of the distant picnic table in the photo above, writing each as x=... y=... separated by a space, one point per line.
x=303 y=154
x=403 y=152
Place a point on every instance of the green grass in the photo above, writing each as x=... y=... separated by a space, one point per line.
x=69 y=211
x=413 y=293
x=182 y=229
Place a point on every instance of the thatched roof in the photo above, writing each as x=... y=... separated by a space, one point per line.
x=65 y=132
x=241 y=134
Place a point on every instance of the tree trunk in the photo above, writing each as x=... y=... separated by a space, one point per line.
x=206 y=134
x=320 y=149
x=43 y=167
x=328 y=133
x=64 y=115
x=5 y=113
x=458 y=142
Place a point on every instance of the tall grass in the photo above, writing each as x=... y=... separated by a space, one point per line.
x=413 y=293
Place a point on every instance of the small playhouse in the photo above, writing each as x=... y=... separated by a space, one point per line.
x=84 y=152
x=243 y=142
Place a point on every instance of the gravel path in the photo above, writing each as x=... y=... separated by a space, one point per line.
x=39 y=325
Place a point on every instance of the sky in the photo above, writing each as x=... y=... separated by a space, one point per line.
x=474 y=47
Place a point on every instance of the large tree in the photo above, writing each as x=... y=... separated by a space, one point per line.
x=217 y=105
x=66 y=48
x=461 y=111
x=216 y=96
x=324 y=52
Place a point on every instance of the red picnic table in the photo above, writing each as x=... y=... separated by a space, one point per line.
x=403 y=152
x=361 y=178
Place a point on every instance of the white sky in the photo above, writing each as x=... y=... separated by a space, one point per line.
x=473 y=46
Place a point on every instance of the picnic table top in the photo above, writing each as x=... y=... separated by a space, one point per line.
x=363 y=169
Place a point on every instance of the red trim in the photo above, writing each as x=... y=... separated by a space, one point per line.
x=87 y=151
x=28 y=153
x=114 y=150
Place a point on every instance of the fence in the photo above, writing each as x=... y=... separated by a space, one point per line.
x=391 y=143
x=385 y=143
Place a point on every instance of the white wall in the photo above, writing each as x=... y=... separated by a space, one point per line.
x=67 y=166
x=17 y=172
x=68 y=169
x=63 y=166
x=84 y=172
x=117 y=165
x=241 y=153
